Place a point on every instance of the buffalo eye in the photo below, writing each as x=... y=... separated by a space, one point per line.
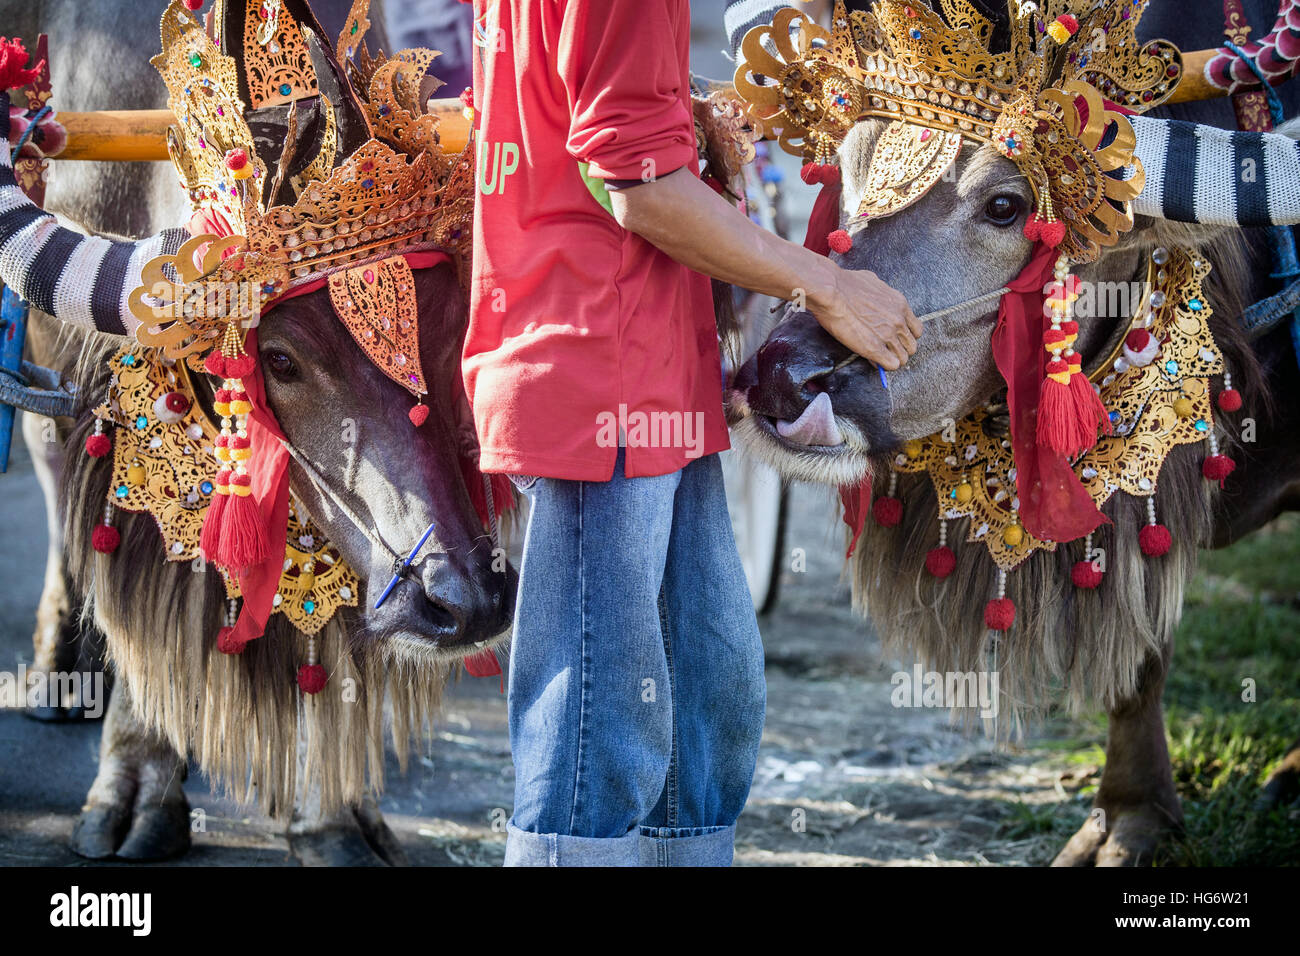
x=1002 y=210
x=279 y=364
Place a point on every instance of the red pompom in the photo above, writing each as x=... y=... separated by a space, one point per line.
x=236 y=159
x=13 y=65
x=418 y=415
x=940 y=561
x=1138 y=339
x=312 y=678
x=226 y=642
x=1085 y=574
x=1155 y=540
x=1053 y=233
x=1068 y=21
x=839 y=241
x=215 y=364
x=467 y=97
x=1217 y=467
x=887 y=511
x=105 y=538
x=1230 y=400
x=240 y=366
x=1033 y=228
x=97 y=446
x=812 y=173
x=999 y=614
x=193 y=5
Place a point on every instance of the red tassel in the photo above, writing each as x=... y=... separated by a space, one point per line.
x=13 y=70
x=105 y=538
x=1085 y=574
x=312 y=678
x=1230 y=400
x=244 y=541
x=97 y=446
x=819 y=174
x=226 y=642
x=1217 y=467
x=1155 y=540
x=418 y=415
x=1088 y=409
x=887 y=511
x=215 y=364
x=999 y=614
x=210 y=535
x=940 y=561
x=1059 y=426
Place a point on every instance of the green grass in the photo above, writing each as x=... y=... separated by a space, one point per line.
x=1241 y=622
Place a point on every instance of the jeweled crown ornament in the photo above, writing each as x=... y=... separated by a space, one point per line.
x=1053 y=102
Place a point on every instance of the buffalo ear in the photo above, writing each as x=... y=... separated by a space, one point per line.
x=855 y=160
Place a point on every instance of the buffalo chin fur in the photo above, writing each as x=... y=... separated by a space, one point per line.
x=240 y=717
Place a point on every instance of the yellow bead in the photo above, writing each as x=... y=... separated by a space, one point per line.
x=1012 y=535
x=1183 y=407
x=964 y=493
x=912 y=449
x=135 y=475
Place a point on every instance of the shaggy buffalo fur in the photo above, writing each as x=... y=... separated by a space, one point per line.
x=1089 y=644
x=240 y=717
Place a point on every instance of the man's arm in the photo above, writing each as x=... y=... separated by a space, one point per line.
x=689 y=221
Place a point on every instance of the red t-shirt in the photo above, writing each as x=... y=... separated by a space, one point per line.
x=583 y=335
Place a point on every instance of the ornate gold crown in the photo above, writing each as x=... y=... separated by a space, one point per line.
x=1043 y=103
x=313 y=169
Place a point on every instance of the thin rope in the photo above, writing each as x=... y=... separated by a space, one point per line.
x=323 y=487
x=27 y=133
x=492 y=512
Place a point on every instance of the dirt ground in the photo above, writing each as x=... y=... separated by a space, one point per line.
x=844 y=778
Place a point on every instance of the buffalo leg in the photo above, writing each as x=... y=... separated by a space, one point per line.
x=136 y=809
x=1137 y=805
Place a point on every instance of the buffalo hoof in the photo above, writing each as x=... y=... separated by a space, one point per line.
x=1283 y=785
x=100 y=830
x=354 y=837
x=1121 y=837
x=139 y=833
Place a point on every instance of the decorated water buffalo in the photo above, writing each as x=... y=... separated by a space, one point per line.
x=243 y=480
x=1093 y=399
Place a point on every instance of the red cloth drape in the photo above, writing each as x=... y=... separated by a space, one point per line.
x=1054 y=505
x=269 y=474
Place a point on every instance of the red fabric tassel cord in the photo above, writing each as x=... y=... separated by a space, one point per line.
x=14 y=71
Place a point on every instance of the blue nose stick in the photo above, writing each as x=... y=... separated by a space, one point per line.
x=402 y=567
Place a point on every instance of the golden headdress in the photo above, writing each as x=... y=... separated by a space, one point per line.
x=1046 y=102
x=315 y=166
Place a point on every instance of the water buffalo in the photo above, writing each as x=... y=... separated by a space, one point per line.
x=1112 y=645
x=241 y=717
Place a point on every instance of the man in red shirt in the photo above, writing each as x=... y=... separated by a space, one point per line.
x=591 y=362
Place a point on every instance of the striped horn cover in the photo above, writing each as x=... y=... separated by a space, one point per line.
x=1204 y=174
x=79 y=279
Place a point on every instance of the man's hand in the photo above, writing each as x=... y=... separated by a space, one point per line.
x=687 y=220
x=868 y=317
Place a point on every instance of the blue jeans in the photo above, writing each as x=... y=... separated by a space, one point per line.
x=636 y=674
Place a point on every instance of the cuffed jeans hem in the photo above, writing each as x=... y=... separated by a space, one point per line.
x=557 y=849
x=688 y=846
